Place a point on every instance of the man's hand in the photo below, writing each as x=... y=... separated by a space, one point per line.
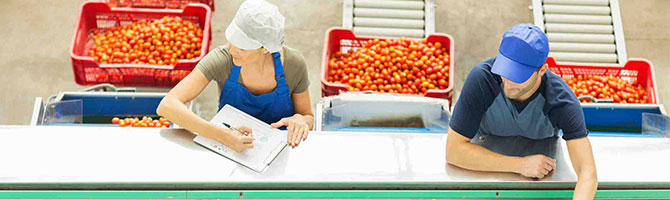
x=536 y=166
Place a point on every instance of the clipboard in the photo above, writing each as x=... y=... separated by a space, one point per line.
x=268 y=142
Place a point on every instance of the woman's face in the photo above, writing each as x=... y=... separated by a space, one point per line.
x=242 y=57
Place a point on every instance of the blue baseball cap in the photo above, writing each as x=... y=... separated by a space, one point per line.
x=523 y=49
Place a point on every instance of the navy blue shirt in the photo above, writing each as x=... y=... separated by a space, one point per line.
x=482 y=107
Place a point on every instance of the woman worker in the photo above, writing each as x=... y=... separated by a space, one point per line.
x=255 y=73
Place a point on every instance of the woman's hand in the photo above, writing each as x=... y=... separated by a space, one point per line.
x=236 y=140
x=297 y=126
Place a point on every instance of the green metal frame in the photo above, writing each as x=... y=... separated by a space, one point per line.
x=340 y=194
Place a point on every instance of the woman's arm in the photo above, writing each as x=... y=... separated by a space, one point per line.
x=173 y=107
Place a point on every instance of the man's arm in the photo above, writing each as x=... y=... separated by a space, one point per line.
x=462 y=153
x=581 y=156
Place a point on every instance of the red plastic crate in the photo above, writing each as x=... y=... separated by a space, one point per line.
x=636 y=69
x=172 y=4
x=97 y=15
x=341 y=39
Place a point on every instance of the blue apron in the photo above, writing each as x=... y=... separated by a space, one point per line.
x=270 y=107
x=507 y=131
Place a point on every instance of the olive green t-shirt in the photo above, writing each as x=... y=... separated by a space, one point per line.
x=217 y=65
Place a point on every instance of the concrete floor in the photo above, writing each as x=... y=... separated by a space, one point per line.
x=36 y=34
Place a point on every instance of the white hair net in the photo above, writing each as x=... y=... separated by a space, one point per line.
x=257 y=24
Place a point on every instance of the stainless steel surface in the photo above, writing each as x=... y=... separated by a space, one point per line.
x=130 y=158
x=38 y=111
x=104 y=154
x=111 y=94
x=369 y=109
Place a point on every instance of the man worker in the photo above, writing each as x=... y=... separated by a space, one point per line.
x=510 y=111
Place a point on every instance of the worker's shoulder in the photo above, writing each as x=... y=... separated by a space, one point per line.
x=293 y=57
x=481 y=83
x=481 y=72
x=217 y=63
x=294 y=63
x=222 y=50
x=555 y=85
x=219 y=56
x=557 y=93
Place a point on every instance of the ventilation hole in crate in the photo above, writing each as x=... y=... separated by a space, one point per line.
x=105 y=23
x=628 y=73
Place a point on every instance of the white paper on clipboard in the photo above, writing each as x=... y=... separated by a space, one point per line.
x=268 y=141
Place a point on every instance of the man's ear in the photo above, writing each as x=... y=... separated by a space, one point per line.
x=543 y=69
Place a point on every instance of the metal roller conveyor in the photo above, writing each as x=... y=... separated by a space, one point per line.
x=388 y=13
x=584 y=10
x=397 y=32
x=581 y=38
x=384 y=22
x=395 y=18
x=415 y=5
x=585 y=57
x=578 y=2
x=579 y=28
x=582 y=47
x=578 y=19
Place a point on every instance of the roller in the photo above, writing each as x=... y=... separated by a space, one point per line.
x=578 y=28
x=388 y=13
x=416 y=33
x=585 y=10
x=390 y=23
x=585 y=57
x=406 y=5
x=581 y=37
x=582 y=47
x=578 y=19
x=579 y=2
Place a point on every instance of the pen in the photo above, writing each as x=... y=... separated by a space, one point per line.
x=235 y=129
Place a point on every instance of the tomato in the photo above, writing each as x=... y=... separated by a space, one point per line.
x=145 y=121
x=115 y=120
x=608 y=87
x=128 y=43
x=391 y=65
